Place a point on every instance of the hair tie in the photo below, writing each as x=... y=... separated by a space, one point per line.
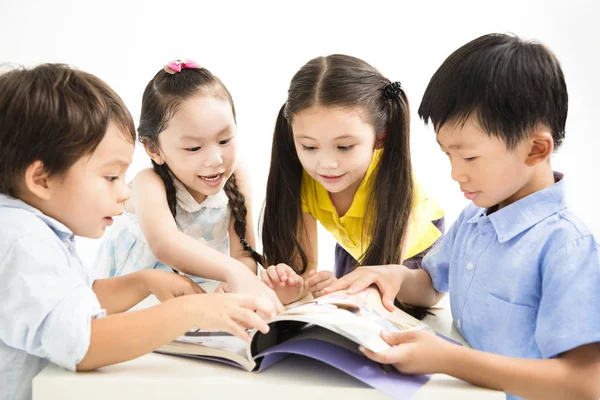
x=392 y=90
x=176 y=66
x=246 y=246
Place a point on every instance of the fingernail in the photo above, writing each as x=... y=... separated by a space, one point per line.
x=362 y=349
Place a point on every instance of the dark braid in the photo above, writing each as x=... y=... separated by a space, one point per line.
x=237 y=204
x=165 y=174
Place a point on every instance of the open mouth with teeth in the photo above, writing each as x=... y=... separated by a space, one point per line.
x=211 y=178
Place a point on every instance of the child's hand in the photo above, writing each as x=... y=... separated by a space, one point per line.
x=288 y=285
x=167 y=285
x=388 y=279
x=412 y=352
x=318 y=281
x=233 y=313
x=251 y=284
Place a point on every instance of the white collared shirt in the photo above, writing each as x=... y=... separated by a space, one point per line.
x=46 y=298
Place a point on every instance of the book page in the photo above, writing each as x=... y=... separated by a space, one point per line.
x=359 y=317
x=210 y=344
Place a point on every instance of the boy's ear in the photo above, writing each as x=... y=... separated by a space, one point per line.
x=541 y=146
x=153 y=152
x=37 y=180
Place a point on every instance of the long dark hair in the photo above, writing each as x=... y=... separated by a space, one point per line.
x=348 y=82
x=162 y=98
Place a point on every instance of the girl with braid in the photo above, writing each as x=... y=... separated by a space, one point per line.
x=341 y=156
x=190 y=213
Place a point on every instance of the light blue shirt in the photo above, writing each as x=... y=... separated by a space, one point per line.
x=46 y=300
x=124 y=248
x=523 y=281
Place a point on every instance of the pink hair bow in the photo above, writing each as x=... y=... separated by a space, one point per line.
x=176 y=66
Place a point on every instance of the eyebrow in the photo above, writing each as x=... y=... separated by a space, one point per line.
x=195 y=138
x=452 y=146
x=336 y=138
x=121 y=162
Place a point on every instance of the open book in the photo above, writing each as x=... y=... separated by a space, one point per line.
x=329 y=329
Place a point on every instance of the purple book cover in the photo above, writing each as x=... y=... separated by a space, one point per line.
x=391 y=382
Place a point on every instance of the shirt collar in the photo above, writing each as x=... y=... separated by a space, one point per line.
x=189 y=204
x=521 y=215
x=359 y=202
x=59 y=229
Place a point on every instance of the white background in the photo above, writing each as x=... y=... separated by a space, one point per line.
x=256 y=47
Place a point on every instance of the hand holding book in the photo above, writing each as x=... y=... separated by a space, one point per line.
x=388 y=279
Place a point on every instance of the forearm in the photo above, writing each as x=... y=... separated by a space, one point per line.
x=125 y=336
x=417 y=289
x=532 y=379
x=187 y=255
x=249 y=262
x=121 y=293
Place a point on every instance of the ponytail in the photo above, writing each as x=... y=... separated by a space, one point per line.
x=282 y=218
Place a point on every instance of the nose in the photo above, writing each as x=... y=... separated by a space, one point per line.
x=213 y=160
x=328 y=163
x=123 y=194
x=458 y=174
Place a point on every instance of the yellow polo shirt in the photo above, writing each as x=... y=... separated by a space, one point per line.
x=348 y=229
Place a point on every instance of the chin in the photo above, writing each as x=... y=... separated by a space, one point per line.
x=333 y=188
x=93 y=235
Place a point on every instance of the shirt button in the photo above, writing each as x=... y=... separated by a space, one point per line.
x=469 y=266
x=458 y=323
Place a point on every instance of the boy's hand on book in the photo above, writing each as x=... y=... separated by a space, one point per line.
x=233 y=313
x=167 y=285
x=318 y=281
x=288 y=285
x=388 y=279
x=412 y=352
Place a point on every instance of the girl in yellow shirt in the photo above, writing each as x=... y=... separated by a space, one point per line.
x=341 y=155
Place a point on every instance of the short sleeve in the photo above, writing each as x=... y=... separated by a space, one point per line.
x=47 y=303
x=307 y=194
x=569 y=313
x=423 y=233
x=437 y=260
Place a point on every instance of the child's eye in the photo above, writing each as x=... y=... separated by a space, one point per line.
x=111 y=178
x=345 y=148
x=308 y=148
x=193 y=149
x=222 y=142
x=470 y=159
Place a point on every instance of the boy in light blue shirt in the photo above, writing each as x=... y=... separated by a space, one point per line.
x=66 y=140
x=522 y=271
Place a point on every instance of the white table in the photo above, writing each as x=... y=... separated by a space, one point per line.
x=162 y=377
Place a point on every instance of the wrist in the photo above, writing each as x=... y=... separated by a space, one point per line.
x=189 y=307
x=236 y=272
x=402 y=273
x=448 y=356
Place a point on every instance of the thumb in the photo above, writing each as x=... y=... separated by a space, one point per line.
x=396 y=338
x=388 y=302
